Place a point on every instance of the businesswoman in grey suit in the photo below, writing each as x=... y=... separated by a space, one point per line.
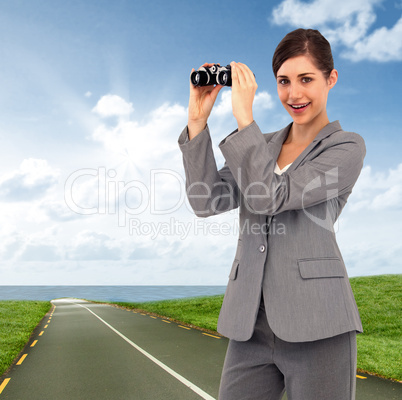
x=288 y=310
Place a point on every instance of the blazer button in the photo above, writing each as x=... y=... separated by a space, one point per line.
x=261 y=248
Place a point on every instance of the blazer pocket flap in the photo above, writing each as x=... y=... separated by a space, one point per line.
x=321 y=268
x=233 y=272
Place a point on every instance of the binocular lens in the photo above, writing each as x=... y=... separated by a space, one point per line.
x=195 y=78
x=224 y=78
x=199 y=78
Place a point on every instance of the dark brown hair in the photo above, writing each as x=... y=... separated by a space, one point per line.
x=307 y=42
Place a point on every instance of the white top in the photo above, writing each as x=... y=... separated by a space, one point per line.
x=281 y=171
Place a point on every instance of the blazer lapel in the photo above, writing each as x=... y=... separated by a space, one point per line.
x=277 y=139
x=329 y=129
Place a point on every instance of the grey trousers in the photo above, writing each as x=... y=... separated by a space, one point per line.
x=264 y=366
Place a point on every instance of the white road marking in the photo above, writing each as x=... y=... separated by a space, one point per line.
x=180 y=378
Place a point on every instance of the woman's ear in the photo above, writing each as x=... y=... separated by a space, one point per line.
x=333 y=78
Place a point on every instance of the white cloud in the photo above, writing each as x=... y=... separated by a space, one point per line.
x=355 y=17
x=112 y=105
x=143 y=253
x=224 y=107
x=11 y=243
x=378 y=190
x=151 y=143
x=382 y=45
x=346 y=23
x=371 y=256
x=20 y=246
x=145 y=145
x=40 y=252
x=58 y=211
x=30 y=181
x=81 y=193
x=262 y=101
x=370 y=225
x=88 y=245
x=392 y=197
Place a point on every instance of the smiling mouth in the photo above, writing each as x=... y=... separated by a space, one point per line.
x=298 y=106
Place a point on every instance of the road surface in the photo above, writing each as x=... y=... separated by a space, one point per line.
x=90 y=351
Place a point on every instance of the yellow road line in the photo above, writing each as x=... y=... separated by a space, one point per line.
x=164 y=320
x=361 y=377
x=143 y=314
x=45 y=326
x=48 y=321
x=207 y=334
x=22 y=359
x=153 y=317
x=33 y=343
x=184 y=327
x=41 y=333
x=4 y=384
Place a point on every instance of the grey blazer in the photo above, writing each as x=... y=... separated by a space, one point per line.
x=287 y=249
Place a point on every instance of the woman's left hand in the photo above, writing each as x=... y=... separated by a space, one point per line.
x=244 y=87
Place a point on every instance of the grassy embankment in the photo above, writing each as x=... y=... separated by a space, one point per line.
x=18 y=319
x=380 y=304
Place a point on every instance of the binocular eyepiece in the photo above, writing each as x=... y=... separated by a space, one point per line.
x=215 y=75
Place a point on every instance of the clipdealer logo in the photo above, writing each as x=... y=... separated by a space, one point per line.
x=112 y=197
x=199 y=226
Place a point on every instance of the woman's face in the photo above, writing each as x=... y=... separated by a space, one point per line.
x=303 y=90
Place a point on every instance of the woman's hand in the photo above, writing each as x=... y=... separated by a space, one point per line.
x=202 y=99
x=244 y=87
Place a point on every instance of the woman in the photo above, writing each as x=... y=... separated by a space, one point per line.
x=288 y=310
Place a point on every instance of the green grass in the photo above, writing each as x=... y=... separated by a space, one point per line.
x=18 y=319
x=202 y=312
x=379 y=348
x=380 y=305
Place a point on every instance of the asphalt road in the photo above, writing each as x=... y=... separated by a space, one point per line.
x=90 y=351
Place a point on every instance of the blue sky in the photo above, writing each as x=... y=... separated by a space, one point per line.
x=93 y=98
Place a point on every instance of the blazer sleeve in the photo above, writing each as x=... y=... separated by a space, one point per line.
x=330 y=173
x=209 y=191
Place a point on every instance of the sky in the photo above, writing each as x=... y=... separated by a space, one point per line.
x=93 y=98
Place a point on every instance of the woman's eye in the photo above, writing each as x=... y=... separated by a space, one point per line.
x=306 y=79
x=283 y=81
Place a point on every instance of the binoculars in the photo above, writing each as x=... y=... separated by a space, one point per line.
x=215 y=75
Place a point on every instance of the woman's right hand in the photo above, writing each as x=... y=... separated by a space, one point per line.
x=202 y=99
